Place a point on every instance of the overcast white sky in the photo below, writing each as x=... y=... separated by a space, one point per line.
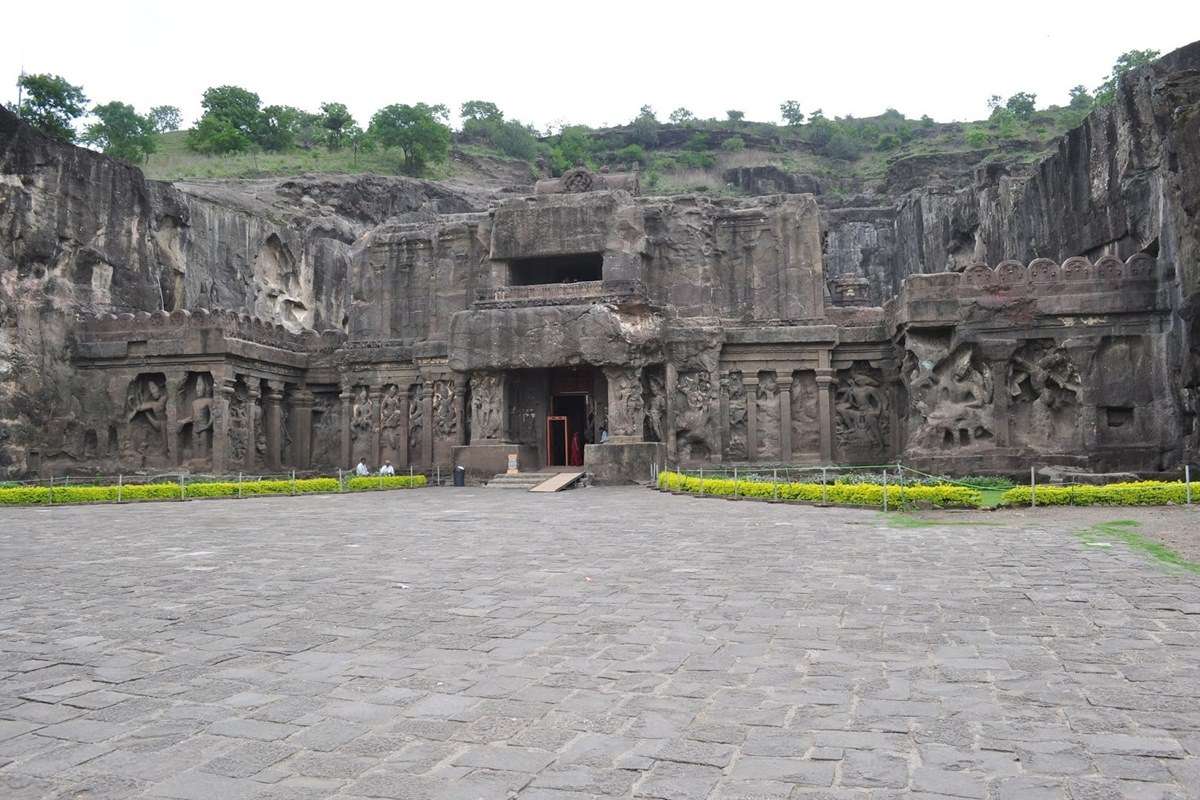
x=593 y=63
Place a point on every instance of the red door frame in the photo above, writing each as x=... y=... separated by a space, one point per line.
x=566 y=423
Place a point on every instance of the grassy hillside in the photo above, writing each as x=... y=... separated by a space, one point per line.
x=847 y=155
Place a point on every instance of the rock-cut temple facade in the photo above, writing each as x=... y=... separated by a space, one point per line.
x=581 y=323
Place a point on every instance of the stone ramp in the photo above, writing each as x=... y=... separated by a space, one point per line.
x=520 y=480
x=562 y=480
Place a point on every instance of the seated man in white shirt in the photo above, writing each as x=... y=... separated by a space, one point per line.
x=362 y=469
x=387 y=469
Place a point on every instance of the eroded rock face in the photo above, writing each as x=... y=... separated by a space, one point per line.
x=83 y=233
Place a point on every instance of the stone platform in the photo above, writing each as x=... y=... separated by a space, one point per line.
x=606 y=642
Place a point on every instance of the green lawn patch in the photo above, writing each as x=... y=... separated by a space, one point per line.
x=1125 y=530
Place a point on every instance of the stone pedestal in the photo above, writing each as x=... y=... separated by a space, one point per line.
x=623 y=462
x=485 y=461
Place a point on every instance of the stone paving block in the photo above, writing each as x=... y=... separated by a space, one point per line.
x=747 y=658
x=252 y=729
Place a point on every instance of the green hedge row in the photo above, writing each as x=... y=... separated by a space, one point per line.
x=367 y=484
x=856 y=494
x=41 y=495
x=1139 y=493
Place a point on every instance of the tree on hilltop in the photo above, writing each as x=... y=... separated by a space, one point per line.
x=418 y=130
x=1106 y=92
x=682 y=116
x=121 y=132
x=231 y=121
x=51 y=104
x=166 y=118
x=791 y=113
x=336 y=120
x=480 y=111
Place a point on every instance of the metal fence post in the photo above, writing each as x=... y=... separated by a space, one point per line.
x=1187 y=481
x=341 y=488
x=824 y=488
x=293 y=482
x=120 y=486
x=182 y=490
x=885 y=490
x=51 y=490
x=239 y=486
x=1032 y=486
x=735 y=482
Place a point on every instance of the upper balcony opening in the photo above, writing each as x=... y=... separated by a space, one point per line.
x=556 y=269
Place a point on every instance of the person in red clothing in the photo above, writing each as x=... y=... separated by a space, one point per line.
x=577 y=450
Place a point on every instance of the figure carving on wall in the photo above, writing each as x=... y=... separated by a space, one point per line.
x=362 y=414
x=146 y=416
x=200 y=415
x=487 y=405
x=806 y=430
x=260 y=431
x=326 y=430
x=444 y=420
x=237 y=427
x=416 y=421
x=655 y=402
x=695 y=433
x=738 y=450
x=861 y=412
x=1044 y=378
x=767 y=397
x=626 y=409
x=391 y=418
x=951 y=397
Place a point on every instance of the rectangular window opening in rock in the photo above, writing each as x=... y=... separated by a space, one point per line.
x=573 y=268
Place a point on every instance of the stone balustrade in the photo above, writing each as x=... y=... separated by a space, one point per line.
x=560 y=294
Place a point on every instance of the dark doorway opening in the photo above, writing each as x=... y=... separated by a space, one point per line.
x=556 y=269
x=565 y=430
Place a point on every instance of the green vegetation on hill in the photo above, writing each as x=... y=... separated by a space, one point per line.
x=238 y=137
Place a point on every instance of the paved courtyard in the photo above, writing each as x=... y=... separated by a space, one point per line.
x=596 y=643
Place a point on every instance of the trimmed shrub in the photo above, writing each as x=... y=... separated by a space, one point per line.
x=1136 y=493
x=851 y=494
x=132 y=492
x=375 y=482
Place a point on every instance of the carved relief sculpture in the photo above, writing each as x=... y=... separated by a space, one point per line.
x=146 y=417
x=737 y=418
x=237 y=427
x=861 y=413
x=767 y=397
x=1044 y=386
x=695 y=424
x=487 y=406
x=444 y=420
x=951 y=397
x=416 y=421
x=626 y=408
x=655 y=402
x=391 y=419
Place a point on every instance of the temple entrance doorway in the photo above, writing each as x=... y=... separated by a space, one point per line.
x=568 y=425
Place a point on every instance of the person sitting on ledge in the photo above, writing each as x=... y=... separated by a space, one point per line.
x=387 y=469
x=362 y=469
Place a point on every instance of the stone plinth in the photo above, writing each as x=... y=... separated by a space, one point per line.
x=485 y=461
x=623 y=463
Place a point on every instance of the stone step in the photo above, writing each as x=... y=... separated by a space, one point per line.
x=522 y=480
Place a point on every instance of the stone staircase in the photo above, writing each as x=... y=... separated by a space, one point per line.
x=522 y=480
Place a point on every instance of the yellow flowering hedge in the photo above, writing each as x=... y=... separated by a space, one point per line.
x=363 y=483
x=850 y=494
x=41 y=495
x=1135 y=493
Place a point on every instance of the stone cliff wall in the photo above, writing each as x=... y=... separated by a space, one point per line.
x=83 y=233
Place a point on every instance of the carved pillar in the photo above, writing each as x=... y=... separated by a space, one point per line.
x=459 y=384
x=724 y=410
x=825 y=382
x=273 y=419
x=175 y=383
x=402 y=431
x=375 y=454
x=670 y=377
x=751 y=384
x=427 y=431
x=347 y=397
x=301 y=422
x=223 y=392
x=889 y=381
x=254 y=392
x=626 y=409
x=783 y=380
